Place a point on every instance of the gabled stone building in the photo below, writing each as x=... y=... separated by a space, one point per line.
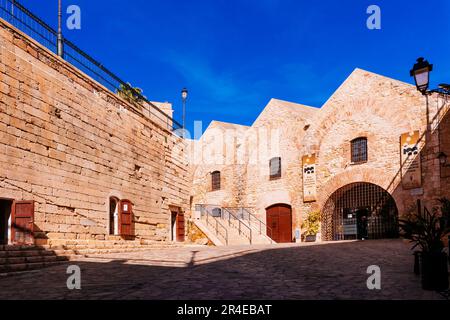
x=79 y=164
x=362 y=160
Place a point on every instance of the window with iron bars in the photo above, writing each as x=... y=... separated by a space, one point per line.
x=215 y=181
x=359 y=150
x=275 y=168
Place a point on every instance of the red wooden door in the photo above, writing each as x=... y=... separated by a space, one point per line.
x=22 y=222
x=279 y=223
x=272 y=223
x=285 y=224
x=126 y=228
x=180 y=227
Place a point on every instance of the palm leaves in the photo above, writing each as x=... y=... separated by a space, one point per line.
x=426 y=229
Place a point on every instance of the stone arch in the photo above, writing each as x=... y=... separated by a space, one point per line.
x=359 y=210
x=353 y=175
x=271 y=198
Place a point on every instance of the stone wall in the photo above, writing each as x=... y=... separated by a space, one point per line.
x=69 y=144
x=365 y=105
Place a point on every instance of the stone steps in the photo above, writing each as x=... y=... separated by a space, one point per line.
x=20 y=267
x=234 y=238
x=20 y=258
x=24 y=258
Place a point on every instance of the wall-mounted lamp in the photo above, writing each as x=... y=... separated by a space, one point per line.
x=443 y=158
x=421 y=73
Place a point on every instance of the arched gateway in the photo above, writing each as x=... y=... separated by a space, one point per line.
x=359 y=211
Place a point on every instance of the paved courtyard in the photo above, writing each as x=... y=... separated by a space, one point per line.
x=323 y=271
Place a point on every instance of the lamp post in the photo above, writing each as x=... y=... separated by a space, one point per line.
x=421 y=73
x=59 y=45
x=184 y=95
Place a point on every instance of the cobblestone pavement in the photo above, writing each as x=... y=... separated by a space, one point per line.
x=294 y=271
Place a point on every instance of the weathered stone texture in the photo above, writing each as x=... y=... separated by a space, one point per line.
x=69 y=144
x=365 y=105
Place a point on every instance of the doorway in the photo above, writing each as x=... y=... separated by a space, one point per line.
x=113 y=216
x=173 y=227
x=355 y=223
x=360 y=211
x=362 y=216
x=177 y=226
x=279 y=223
x=5 y=214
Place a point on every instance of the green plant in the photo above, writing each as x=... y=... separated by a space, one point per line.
x=132 y=95
x=312 y=223
x=426 y=229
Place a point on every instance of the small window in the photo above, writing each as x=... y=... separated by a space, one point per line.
x=216 y=212
x=215 y=181
x=275 y=168
x=359 y=150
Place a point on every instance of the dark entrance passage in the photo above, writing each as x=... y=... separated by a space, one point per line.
x=360 y=211
x=5 y=213
x=279 y=223
x=178 y=226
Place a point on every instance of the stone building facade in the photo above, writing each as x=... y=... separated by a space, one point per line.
x=79 y=163
x=74 y=156
x=367 y=108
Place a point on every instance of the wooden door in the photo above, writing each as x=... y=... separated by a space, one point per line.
x=22 y=222
x=279 y=223
x=126 y=228
x=180 y=227
x=272 y=224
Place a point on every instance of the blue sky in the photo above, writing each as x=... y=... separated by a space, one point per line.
x=234 y=55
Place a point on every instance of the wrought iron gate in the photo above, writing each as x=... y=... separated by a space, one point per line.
x=360 y=210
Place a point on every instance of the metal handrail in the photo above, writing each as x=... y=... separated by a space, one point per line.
x=23 y=19
x=215 y=225
x=241 y=223
x=260 y=223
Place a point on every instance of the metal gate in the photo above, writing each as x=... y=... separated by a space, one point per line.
x=360 y=210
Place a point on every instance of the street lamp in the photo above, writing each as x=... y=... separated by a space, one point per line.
x=421 y=73
x=184 y=95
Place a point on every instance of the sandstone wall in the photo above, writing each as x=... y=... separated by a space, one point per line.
x=69 y=144
x=365 y=105
x=381 y=109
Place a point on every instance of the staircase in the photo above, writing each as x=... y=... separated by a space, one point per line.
x=14 y=258
x=21 y=258
x=229 y=226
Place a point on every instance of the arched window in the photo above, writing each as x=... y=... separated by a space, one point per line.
x=113 y=216
x=215 y=180
x=359 y=150
x=275 y=168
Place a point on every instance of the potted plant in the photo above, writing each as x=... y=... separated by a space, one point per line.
x=427 y=230
x=311 y=226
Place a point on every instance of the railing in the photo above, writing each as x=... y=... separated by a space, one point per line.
x=239 y=224
x=21 y=18
x=253 y=221
x=212 y=221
